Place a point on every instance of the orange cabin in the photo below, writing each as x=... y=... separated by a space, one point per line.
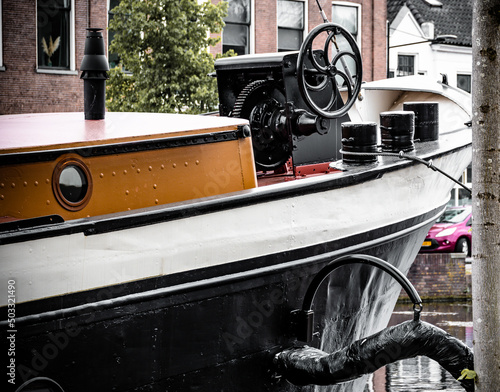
x=61 y=164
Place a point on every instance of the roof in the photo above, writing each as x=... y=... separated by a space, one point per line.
x=42 y=131
x=451 y=17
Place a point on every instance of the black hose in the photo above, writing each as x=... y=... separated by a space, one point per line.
x=307 y=365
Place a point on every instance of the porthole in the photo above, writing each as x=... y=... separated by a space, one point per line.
x=72 y=184
x=40 y=384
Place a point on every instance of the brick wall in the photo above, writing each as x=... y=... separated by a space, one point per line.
x=314 y=15
x=218 y=47
x=439 y=276
x=379 y=46
x=22 y=88
x=266 y=26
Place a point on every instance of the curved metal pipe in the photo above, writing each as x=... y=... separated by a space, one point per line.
x=363 y=259
x=303 y=318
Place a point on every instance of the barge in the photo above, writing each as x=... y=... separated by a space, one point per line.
x=167 y=252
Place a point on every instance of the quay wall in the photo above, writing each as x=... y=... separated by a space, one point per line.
x=439 y=277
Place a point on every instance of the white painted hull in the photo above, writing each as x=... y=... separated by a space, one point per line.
x=197 y=295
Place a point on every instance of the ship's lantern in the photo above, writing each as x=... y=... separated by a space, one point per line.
x=72 y=184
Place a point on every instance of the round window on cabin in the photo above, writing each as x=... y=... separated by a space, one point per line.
x=72 y=184
x=38 y=384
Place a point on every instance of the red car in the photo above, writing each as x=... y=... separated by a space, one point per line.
x=451 y=232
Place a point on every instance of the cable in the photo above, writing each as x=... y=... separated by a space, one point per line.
x=323 y=15
x=402 y=155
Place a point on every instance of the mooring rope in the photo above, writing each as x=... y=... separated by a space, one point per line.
x=402 y=155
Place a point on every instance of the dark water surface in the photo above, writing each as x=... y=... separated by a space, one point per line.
x=422 y=374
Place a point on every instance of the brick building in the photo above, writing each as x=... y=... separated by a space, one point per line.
x=263 y=26
x=30 y=81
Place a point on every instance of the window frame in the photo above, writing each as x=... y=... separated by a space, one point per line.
x=71 y=70
x=251 y=42
x=466 y=179
x=110 y=15
x=467 y=74
x=408 y=55
x=359 y=20
x=304 y=26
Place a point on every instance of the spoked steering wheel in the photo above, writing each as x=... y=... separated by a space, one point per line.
x=323 y=73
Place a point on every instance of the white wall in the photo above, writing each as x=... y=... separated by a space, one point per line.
x=430 y=59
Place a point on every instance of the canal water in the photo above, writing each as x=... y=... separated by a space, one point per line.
x=422 y=374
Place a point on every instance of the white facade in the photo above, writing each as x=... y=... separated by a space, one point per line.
x=408 y=39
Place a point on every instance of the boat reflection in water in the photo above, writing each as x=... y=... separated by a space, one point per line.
x=422 y=373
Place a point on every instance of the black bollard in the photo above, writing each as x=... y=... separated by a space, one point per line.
x=397 y=129
x=94 y=69
x=426 y=119
x=359 y=138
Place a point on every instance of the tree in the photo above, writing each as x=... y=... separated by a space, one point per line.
x=163 y=45
x=486 y=193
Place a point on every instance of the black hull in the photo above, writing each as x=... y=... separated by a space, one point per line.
x=215 y=329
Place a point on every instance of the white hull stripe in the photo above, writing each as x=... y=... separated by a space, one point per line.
x=206 y=283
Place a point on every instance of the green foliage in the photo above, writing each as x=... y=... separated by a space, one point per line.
x=121 y=95
x=163 y=45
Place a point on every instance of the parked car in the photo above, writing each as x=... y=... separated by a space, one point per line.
x=451 y=232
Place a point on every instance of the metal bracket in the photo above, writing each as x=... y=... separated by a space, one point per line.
x=303 y=324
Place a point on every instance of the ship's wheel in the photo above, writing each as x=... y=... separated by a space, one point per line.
x=262 y=103
x=323 y=73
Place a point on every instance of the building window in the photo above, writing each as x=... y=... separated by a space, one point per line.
x=290 y=25
x=113 y=58
x=348 y=16
x=236 y=33
x=406 y=65
x=464 y=82
x=55 y=34
x=467 y=175
x=460 y=196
